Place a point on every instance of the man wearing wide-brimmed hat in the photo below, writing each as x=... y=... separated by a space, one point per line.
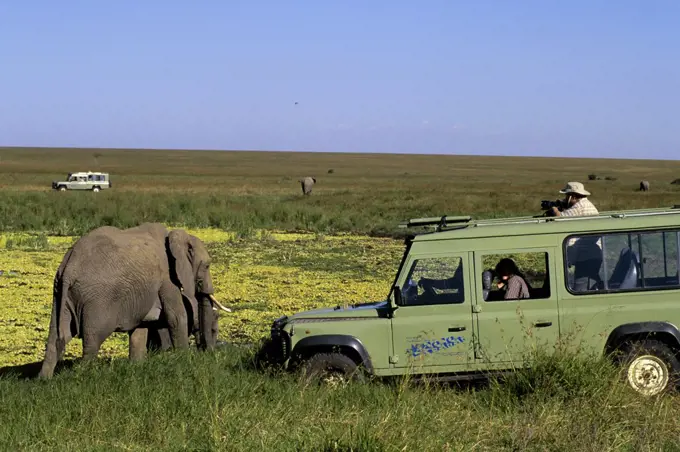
x=577 y=201
x=583 y=253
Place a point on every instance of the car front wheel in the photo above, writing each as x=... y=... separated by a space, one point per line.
x=651 y=367
x=331 y=369
x=95 y=189
x=62 y=188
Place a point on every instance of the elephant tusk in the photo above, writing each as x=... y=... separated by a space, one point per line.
x=214 y=300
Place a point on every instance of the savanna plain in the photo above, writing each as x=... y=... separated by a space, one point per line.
x=276 y=252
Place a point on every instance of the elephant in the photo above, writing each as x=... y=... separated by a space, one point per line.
x=307 y=184
x=130 y=280
x=644 y=185
x=159 y=335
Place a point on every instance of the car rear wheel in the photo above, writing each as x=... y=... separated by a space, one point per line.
x=95 y=189
x=651 y=367
x=331 y=369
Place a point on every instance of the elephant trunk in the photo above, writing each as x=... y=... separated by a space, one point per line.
x=207 y=320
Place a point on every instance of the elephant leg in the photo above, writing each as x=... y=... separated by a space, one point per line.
x=55 y=349
x=92 y=342
x=164 y=339
x=137 y=344
x=175 y=314
x=158 y=339
x=96 y=328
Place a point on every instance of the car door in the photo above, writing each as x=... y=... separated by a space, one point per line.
x=433 y=328
x=508 y=329
x=81 y=183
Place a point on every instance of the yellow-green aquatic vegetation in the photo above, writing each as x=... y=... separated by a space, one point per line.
x=261 y=278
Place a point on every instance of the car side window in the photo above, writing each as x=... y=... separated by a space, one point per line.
x=622 y=261
x=434 y=280
x=530 y=280
x=659 y=259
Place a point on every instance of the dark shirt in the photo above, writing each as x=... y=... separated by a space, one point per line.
x=516 y=288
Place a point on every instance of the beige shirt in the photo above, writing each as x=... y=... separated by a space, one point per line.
x=582 y=208
x=584 y=248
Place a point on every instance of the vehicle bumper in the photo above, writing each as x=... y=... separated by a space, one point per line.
x=276 y=349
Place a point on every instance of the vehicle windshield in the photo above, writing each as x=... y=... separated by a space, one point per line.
x=408 y=241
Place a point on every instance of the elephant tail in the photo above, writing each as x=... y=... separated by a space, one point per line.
x=60 y=321
x=62 y=312
x=62 y=306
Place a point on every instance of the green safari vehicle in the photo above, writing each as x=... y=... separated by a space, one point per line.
x=606 y=283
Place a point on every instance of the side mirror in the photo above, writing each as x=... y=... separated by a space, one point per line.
x=397 y=295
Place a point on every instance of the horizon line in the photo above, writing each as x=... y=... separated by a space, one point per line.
x=439 y=154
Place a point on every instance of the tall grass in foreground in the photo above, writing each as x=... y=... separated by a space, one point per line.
x=200 y=401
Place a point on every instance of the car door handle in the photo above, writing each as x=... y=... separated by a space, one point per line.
x=542 y=324
x=453 y=329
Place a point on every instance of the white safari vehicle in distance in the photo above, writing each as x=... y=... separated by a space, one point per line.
x=89 y=180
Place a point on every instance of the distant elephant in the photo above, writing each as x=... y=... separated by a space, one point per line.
x=127 y=280
x=307 y=184
x=644 y=185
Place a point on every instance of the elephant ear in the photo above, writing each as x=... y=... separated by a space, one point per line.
x=181 y=249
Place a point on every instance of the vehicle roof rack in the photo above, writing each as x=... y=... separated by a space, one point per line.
x=438 y=222
x=450 y=222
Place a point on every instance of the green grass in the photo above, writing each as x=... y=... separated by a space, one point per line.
x=215 y=401
x=366 y=193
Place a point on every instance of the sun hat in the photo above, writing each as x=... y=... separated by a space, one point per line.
x=575 y=187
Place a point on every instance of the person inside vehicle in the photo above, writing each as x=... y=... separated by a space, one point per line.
x=576 y=202
x=511 y=278
x=584 y=253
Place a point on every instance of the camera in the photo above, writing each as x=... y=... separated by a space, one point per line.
x=547 y=205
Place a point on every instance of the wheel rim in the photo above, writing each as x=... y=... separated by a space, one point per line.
x=648 y=375
x=330 y=376
x=334 y=379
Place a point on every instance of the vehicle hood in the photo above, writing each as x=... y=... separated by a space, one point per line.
x=357 y=310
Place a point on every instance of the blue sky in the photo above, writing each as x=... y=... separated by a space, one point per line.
x=576 y=78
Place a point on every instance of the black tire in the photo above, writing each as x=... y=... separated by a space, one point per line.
x=267 y=355
x=650 y=367
x=62 y=188
x=95 y=189
x=323 y=367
